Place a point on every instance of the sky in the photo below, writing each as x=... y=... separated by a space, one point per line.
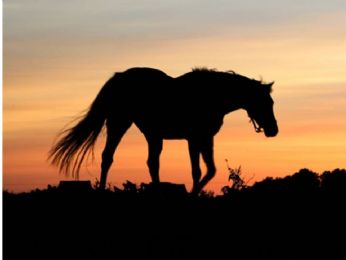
x=58 y=54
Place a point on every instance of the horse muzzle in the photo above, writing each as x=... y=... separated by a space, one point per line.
x=271 y=132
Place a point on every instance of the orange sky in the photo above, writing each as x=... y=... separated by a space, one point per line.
x=58 y=54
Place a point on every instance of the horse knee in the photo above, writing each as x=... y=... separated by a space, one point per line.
x=211 y=172
x=154 y=165
x=152 y=161
x=196 y=174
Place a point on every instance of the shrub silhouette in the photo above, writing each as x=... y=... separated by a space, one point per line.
x=334 y=181
x=238 y=183
x=304 y=181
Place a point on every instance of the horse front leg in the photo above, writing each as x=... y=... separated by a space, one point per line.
x=153 y=162
x=208 y=157
x=194 y=151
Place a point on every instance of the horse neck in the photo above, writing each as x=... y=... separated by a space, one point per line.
x=235 y=102
x=240 y=98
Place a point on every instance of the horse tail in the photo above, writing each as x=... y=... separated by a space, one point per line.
x=77 y=142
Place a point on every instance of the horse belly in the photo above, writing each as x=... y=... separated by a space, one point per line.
x=163 y=128
x=182 y=127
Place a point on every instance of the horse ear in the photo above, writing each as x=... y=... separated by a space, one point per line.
x=269 y=86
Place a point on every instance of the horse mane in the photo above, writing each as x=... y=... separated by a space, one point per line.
x=235 y=75
x=204 y=69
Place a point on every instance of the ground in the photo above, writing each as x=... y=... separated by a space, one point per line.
x=129 y=224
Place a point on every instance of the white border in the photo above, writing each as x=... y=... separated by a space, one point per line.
x=1 y=129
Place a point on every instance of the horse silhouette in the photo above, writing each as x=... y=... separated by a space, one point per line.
x=191 y=106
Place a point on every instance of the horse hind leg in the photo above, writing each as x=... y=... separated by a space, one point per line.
x=154 y=151
x=115 y=132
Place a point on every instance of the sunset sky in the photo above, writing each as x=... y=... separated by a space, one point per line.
x=58 y=54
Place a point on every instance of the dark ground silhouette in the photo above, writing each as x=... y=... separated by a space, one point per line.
x=297 y=217
x=191 y=106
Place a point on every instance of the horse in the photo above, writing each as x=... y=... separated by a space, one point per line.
x=191 y=107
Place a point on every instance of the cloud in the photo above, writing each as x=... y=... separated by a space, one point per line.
x=153 y=18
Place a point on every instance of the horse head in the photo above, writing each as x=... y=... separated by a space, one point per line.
x=260 y=108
